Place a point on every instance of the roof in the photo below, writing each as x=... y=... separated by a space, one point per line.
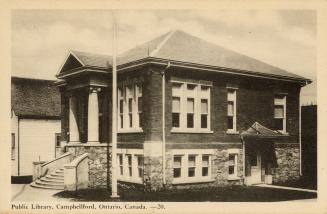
x=35 y=97
x=259 y=131
x=182 y=47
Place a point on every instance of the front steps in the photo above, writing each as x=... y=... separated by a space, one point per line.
x=54 y=180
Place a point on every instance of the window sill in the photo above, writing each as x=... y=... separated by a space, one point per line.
x=233 y=178
x=195 y=131
x=130 y=180
x=135 y=130
x=191 y=181
x=232 y=132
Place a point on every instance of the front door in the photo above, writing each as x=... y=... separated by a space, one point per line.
x=255 y=161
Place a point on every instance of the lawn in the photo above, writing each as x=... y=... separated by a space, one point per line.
x=223 y=194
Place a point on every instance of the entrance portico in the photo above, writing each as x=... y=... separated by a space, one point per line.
x=260 y=156
x=78 y=113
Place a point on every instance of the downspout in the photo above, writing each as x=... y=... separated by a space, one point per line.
x=164 y=123
x=18 y=139
x=243 y=142
x=300 y=134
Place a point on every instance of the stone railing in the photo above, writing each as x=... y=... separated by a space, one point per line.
x=43 y=168
x=76 y=173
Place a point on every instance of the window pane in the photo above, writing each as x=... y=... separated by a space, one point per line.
x=176 y=104
x=190 y=105
x=191 y=86
x=177 y=173
x=231 y=159
x=230 y=109
x=191 y=161
x=130 y=120
x=140 y=104
x=130 y=105
x=121 y=121
x=230 y=122
x=175 y=120
x=204 y=106
x=279 y=111
x=205 y=171
x=177 y=161
x=231 y=95
x=205 y=160
x=231 y=170
x=190 y=120
x=176 y=88
x=204 y=121
x=121 y=106
x=279 y=124
x=191 y=172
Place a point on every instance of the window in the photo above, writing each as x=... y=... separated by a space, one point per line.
x=57 y=139
x=177 y=166
x=205 y=165
x=280 y=113
x=13 y=146
x=129 y=166
x=140 y=166
x=232 y=158
x=204 y=113
x=130 y=112
x=231 y=110
x=190 y=107
x=130 y=108
x=191 y=165
x=233 y=155
x=121 y=164
x=190 y=112
x=176 y=112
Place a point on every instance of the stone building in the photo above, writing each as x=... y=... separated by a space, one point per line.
x=190 y=113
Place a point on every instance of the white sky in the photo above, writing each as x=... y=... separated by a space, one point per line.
x=286 y=39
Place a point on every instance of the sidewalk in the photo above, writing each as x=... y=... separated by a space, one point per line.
x=288 y=188
x=26 y=193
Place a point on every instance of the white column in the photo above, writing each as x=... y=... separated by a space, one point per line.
x=93 y=116
x=73 y=127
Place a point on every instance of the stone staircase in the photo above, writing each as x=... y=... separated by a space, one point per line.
x=54 y=180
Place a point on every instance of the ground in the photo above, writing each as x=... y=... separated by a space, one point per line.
x=23 y=192
x=222 y=194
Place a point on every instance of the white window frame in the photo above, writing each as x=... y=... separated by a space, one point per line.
x=197 y=93
x=236 y=153
x=126 y=92
x=134 y=154
x=281 y=103
x=231 y=97
x=184 y=154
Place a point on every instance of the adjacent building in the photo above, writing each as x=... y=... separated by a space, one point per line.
x=190 y=113
x=35 y=125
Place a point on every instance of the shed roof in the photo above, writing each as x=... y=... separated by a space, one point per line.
x=35 y=97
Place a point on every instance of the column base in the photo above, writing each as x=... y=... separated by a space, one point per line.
x=73 y=142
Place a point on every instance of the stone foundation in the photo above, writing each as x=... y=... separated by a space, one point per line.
x=99 y=177
x=288 y=161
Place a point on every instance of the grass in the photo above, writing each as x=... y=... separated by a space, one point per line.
x=303 y=182
x=219 y=194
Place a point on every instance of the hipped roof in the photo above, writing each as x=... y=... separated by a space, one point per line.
x=182 y=47
x=35 y=97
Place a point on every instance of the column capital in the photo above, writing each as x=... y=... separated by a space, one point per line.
x=94 y=89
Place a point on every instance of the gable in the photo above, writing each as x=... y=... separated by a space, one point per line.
x=70 y=63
